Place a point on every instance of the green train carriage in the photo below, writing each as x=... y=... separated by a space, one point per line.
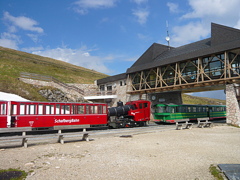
x=168 y=113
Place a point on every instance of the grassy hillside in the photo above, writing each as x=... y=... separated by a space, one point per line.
x=187 y=99
x=13 y=62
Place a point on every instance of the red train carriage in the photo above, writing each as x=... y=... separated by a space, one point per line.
x=50 y=114
x=3 y=114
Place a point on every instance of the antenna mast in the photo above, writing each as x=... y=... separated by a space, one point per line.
x=168 y=37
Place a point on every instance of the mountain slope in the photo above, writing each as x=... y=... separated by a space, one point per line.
x=13 y=62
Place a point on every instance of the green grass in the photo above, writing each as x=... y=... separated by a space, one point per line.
x=187 y=99
x=13 y=174
x=215 y=172
x=13 y=62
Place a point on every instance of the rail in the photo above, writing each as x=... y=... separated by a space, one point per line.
x=50 y=79
x=100 y=93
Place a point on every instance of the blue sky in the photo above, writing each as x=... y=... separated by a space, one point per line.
x=108 y=35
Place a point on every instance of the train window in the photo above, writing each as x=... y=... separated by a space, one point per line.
x=200 y=109
x=91 y=109
x=49 y=109
x=40 y=109
x=22 y=109
x=189 y=109
x=14 y=109
x=160 y=109
x=100 y=109
x=58 y=108
x=3 y=109
x=104 y=109
x=95 y=109
x=140 y=106
x=80 y=109
x=73 y=109
x=30 y=109
x=65 y=109
x=170 y=109
x=194 y=109
x=182 y=109
x=87 y=109
x=145 y=105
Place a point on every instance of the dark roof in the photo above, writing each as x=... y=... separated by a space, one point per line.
x=222 y=38
x=112 y=78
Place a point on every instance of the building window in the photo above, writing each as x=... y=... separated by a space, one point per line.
x=109 y=88
x=102 y=88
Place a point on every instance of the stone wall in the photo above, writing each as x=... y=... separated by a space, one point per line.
x=61 y=95
x=89 y=89
x=233 y=112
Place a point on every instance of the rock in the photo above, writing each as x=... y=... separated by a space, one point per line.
x=29 y=164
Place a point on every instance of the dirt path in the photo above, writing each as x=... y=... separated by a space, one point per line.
x=172 y=154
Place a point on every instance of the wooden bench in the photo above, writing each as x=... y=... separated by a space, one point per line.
x=180 y=126
x=62 y=135
x=24 y=137
x=203 y=122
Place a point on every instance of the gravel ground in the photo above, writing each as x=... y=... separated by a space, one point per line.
x=172 y=154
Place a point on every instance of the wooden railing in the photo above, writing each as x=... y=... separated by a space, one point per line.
x=50 y=79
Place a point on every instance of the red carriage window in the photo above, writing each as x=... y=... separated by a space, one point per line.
x=65 y=109
x=145 y=105
x=40 y=109
x=74 y=109
x=100 y=109
x=96 y=110
x=30 y=109
x=49 y=109
x=104 y=109
x=80 y=109
x=22 y=109
x=88 y=109
x=14 y=109
x=91 y=110
x=57 y=108
x=3 y=110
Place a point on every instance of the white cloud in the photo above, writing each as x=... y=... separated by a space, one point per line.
x=185 y=34
x=22 y=22
x=198 y=19
x=140 y=1
x=213 y=8
x=79 y=57
x=142 y=15
x=84 y=5
x=9 y=40
x=173 y=7
x=34 y=37
x=8 y=43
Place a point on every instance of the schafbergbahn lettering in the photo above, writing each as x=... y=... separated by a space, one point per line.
x=66 y=120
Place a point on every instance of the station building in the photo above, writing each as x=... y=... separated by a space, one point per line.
x=162 y=73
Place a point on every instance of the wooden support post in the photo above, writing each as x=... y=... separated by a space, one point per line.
x=85 y=135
